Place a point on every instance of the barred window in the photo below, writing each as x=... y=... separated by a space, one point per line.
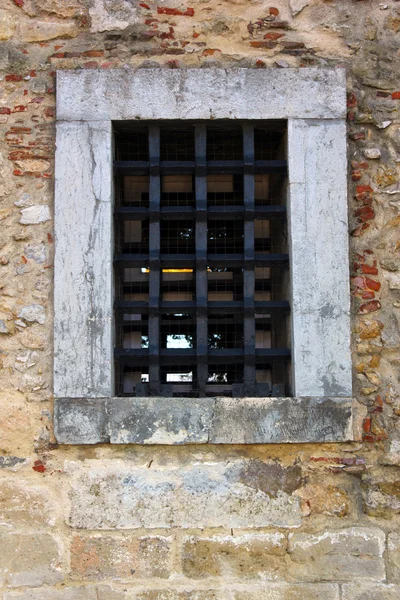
x=201 y=259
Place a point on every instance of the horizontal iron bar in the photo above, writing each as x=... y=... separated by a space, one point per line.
x=188 y=260
x=127 y=167
x=141 y=213
x=234 y=306
x=186 y=356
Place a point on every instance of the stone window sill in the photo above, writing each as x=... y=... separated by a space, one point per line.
x=175 y=421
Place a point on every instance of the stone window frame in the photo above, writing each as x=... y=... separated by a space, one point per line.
x=313 y=101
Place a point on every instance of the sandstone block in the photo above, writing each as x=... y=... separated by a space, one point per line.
x=183 y=594
x=105 y=16
x=247 y=556
x=7 y=25
x=359 y=591
x=342 y=555
x=110 y=557
x=282 y=591
x=381 y=492
x=40 y=31
x=29 y=560
x=16 y=424
x=70 y=593
x=394 y=557
x=243 y=493
x=25 y=506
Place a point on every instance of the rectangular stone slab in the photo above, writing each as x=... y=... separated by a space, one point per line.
x=121 y=94
x=175 y=421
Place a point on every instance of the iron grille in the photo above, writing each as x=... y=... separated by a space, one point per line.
x=201 y=260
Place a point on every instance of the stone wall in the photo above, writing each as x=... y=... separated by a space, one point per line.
x=276 y=522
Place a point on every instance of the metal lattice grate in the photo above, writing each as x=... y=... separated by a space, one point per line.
x=201 y=262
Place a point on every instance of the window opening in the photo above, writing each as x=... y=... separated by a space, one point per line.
x=201 y=260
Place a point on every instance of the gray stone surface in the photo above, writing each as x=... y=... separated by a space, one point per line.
x=160 y=420
x=83 y=274
x=173 y=421
x=279 y=420
x=112 y=494
x=80 y=421
x=318 y=234
x=201 y=94
x=344 y=555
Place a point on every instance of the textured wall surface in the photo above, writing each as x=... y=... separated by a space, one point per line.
x=262 y=522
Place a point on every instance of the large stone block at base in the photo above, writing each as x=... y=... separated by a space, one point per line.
x=349 y=554
x=29 y=560
x=243 y=493
x=359 y=591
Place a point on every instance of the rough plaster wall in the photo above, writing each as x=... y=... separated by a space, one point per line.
x=237 y=523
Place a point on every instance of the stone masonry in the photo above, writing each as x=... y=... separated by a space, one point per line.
x=197 y=522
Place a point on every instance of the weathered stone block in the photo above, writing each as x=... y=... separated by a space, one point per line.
x=80 y=421
x=39 y=31
x=160 y=420
x=343 y=555
x=29 y=560
x=242 y=493
x=279 y=420
x=7 y=25
x=283 y=591
x=247 y=556
x=394 y=557
x=25 y=506
x=107 y=557
x=180 y=93
x=178 y=595
x=359 y=591
x=381 y=492
x=70 y=593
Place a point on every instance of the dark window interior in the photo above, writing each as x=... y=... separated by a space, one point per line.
x=201 y=259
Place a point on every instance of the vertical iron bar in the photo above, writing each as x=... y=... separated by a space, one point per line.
x=154 y=261
x=201 y=259
x=249 y=329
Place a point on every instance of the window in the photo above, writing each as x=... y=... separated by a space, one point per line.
x=201 y=264
x=194 y=117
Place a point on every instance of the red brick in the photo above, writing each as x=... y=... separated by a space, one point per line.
x=263 y=44
x=144 y=5
x=5 y=111
x=164 y=10
x=351 y=100
x=372 y=284
x=396 y=96
x=93 y=53
x=273 y=11
x=369 y=270
x=369 y=307
x=363 y=188
x=272 y=35
x=13 y=77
